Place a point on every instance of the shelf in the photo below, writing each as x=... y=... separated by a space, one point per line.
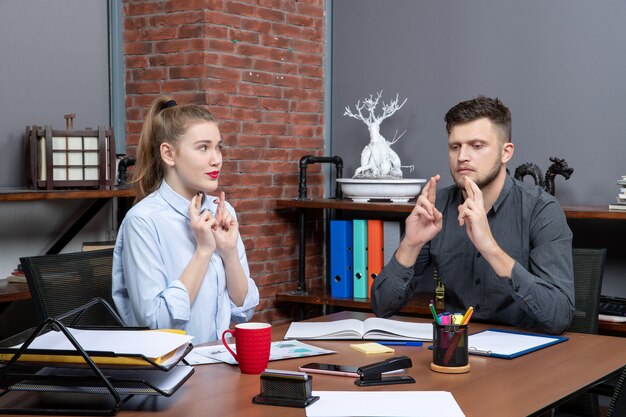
x=343 y=204
x=25 y=194
x=416 y=305
x=100 y=198
x=571 y=212
x=13 y=291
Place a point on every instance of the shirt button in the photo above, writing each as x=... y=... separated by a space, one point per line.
x=477 y=307
x=477 y=280
x=478 y=255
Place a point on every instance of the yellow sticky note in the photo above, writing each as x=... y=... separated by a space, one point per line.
x=372 y=348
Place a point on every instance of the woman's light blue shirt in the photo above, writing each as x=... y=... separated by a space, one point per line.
x=154 y=245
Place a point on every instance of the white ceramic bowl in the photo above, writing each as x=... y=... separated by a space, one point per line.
x=398 y=191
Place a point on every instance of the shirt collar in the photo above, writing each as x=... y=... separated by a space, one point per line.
x=506 y=190
x=180 y=203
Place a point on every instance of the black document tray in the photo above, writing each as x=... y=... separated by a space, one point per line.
x=120 y=382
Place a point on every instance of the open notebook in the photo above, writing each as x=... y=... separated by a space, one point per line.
x=373 y=328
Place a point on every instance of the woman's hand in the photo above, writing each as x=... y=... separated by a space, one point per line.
x=225 y=229
x=202 y=223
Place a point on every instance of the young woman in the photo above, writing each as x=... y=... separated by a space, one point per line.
x=179 y=261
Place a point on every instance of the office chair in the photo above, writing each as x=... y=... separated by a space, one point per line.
x=62 y=282
x=617 y=407
x=588 y=273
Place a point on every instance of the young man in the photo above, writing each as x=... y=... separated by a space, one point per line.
x=500 y=245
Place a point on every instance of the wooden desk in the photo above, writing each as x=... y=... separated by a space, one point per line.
x=494 y=387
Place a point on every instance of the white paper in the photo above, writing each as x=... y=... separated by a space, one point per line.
x=279 y=350
x=384 y=403
x=505 y=343
x=151 y=344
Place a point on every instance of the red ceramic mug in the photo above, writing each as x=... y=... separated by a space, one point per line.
x=252 y=342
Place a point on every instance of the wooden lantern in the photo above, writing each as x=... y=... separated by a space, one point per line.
x=69 y=158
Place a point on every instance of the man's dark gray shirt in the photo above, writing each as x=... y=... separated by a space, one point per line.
x=530 y=226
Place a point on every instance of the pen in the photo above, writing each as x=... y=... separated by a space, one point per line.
x=385 y=343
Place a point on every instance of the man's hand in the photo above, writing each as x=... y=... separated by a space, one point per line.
x=472 y=214
x=422 y=225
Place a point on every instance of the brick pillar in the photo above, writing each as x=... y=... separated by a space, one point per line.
x=258 y=66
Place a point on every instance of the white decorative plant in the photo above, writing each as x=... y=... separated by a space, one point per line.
x=378 y=160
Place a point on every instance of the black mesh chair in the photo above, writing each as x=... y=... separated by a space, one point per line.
x=60 y=283
x=588 y=273
x=617 y=407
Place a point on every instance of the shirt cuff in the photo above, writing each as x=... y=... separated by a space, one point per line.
x=177 y=301
x=246 y=310
x=396 y=269
x=522 y=282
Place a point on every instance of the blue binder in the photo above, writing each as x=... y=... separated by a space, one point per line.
x=341 y=258
x=359 y=245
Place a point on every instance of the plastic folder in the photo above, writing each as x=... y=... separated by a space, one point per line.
x=508 y=344
x=375 y=251
x=341 y=258
x=359 y=234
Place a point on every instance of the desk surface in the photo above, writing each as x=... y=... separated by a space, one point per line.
x=494 y=387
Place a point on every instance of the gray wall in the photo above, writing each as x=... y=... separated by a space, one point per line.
x=54 y=61
x=559 y=65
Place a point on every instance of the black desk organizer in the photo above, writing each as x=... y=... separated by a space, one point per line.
x=120 y=383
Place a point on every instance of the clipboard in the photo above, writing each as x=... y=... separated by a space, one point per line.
x=509 y=344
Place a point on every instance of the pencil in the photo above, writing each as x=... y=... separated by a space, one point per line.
x=468 y=315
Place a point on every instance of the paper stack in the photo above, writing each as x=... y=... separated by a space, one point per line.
x=621 y=197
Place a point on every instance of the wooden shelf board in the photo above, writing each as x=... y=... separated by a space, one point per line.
x=13 y=291
x=24 y=194
x=571 y=212
x=417 y=305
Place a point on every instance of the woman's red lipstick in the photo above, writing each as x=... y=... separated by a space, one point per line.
x=214 y=174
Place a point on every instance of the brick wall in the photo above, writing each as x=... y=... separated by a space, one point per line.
x=258 y=66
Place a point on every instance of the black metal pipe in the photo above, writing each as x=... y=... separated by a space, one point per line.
x=302 y=194
x=312 y=159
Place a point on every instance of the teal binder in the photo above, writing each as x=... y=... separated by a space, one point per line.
x=359 y=244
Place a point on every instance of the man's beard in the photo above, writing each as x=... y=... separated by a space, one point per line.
x=482 y=182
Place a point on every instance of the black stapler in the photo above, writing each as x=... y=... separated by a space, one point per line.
x=372 y=374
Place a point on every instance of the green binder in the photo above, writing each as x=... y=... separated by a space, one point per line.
x=359 y=245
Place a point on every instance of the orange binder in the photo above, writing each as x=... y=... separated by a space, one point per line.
x=375 y=251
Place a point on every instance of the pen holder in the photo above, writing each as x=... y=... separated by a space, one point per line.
x=450 y=348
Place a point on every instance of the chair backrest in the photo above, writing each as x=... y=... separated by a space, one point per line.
x=588 y=272
x=62 y=282
x=618 y=401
